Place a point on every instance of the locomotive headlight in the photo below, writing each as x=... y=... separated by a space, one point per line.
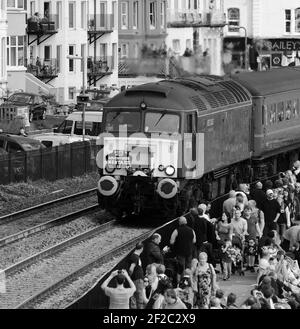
x=161 y=168
x=170 y=171
x=143 y=106
x=109 y=169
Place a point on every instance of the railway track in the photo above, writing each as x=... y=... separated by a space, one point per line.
x=44 y=206
x=28 y=277
x=54 y=289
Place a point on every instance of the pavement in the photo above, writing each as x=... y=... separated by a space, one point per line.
x=239 y=285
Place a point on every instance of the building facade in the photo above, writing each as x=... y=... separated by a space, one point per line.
x=272 y=43
x=103 y=45
x=61 y=31
x=3 y=39
x=142 y=40
x=16 y=45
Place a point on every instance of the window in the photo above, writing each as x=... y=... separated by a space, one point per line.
x=102 y=14
x=124 y=15
x=176 y=45
x=2 y=58
x=195 y=4
x=233 y=19
x=296 y=109
x=114 y=13
x=82 y=55
x=103 y=51
x=156 y=122
x=271 y=114
x=114 y=55
x=32 y=8
x=71 y=61
x=136 y=50
x=72 y=15
x=280 y=111
x=116 y=121
x=152 y=15
x=83 y=15
x=16 y=48
x=72 y=91
x=47 y=53
x=19 y=4
x=124 y=50
x=65 y=127
x=58 y=58
x=58 y=16
x=162 y=14
x=135 y=14
x=288 y=20
x=297 y=20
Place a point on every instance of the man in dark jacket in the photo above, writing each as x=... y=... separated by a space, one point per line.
x=152 y=251
x=200 y=228
x=259 y=195
x=182 y=240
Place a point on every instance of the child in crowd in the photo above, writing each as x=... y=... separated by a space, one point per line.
x=251 y=252
x=228 y=254
x=231 y=299
x=264 y=265
x=185 y=290
x=221 y=296
x=215 y=303
x=172 y=301
x=237 y=260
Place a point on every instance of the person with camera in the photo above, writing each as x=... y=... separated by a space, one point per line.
x=119 y=295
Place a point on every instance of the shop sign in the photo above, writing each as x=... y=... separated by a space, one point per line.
x=278 y=44
x=276 y=59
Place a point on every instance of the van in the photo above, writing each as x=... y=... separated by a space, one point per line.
x=71 y=129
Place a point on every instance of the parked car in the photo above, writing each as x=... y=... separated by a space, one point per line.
x=15 y=144
x=34 y=103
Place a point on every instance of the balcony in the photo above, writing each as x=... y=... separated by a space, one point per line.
x=42 y=28
x=98 y=25
x=150 y=67
x=43 y=69
x=195 y=19
x=99 y=67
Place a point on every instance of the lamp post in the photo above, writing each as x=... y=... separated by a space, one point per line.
x=245 y=40
x=84 y=61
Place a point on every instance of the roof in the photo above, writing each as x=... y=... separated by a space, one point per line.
x=19 y=139
x=270 y=82
x=188 y=93
x=28 y=94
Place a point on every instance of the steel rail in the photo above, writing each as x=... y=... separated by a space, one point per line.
x=18 y=214
x=44 y=226
x=45 y=293
x=9 y=271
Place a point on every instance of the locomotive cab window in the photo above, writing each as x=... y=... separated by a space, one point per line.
x=162 y=122
x=122 y=120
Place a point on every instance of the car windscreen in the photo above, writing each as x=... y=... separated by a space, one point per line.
x=19 y=98
x=28 y=146
x=123 y=120
x=65 y=127
x=162 y=122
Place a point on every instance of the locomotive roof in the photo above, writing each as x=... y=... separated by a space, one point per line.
x=270 y=82
x=200 y=92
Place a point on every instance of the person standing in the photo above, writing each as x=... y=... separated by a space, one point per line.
x=200 y=228
x=137 y=276
x=152 y=251
x=258 y=195
x=119 y=296
x=290 y=238
x=239 y=229
x=229 y=204
x=182 y=240
x=272 y=211
x=252 y=223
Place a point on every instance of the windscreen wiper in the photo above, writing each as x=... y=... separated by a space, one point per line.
x=161 y=117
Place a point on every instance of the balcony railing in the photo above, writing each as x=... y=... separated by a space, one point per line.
x=195 y=19
x=43 y=68
x=44 y=25
x=143 y=66
x=100 y=65
x=102 y=23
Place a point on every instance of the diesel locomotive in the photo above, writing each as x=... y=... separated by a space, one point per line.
x=170 y=144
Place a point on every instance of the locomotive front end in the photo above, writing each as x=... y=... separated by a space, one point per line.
x=139 y=161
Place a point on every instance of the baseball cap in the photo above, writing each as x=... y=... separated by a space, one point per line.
x=269 y=192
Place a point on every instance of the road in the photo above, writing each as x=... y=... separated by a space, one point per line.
x=239 y=285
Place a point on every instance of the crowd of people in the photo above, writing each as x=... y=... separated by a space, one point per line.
x=258 y=232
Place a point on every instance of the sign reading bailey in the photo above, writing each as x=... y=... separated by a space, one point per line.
x=278 y=44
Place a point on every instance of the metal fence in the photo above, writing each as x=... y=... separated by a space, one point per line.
x=59 y=162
